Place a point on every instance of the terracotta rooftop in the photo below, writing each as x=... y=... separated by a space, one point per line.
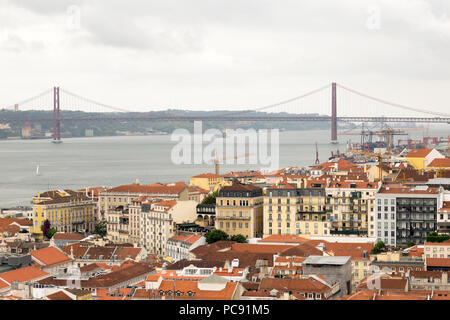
x=438 y=262
x=157 y=188
x=49 y=256
x=283 y=239
x=191 y=238
x=68 y=236
x=418 y=153
x=59 y=295
x=22 y=275
x=440 y=163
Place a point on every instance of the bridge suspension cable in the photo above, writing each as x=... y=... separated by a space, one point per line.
x=396 y=105
x=74 y=95
x=273 y=105
x=36 y=97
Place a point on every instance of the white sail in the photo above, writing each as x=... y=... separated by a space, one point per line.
x=37 y=170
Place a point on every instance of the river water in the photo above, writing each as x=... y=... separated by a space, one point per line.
x=111 y=161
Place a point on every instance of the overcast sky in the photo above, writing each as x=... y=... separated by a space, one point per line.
x=201 y=54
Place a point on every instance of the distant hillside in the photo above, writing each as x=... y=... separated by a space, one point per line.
x=109 y=128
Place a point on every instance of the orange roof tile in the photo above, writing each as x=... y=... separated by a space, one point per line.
x=49 y=256
x=440 y=163
x=23 y=274
x=59 y=295
x=283 y=238
x=157 y=188
x=438 y=262
x=418 y=153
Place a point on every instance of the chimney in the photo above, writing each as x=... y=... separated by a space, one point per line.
x=138 y=182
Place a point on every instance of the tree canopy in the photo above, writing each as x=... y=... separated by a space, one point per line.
x=378 y=247
x=100 y=228
x=219 y=235
x=211 y=198
x=435 y=237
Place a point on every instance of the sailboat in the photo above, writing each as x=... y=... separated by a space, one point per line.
x=37 y=171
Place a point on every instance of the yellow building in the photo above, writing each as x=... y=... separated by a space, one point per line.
x=208 y=181
x=292 y=211
x=239 y=210
x=66 y=210
x=421 y=158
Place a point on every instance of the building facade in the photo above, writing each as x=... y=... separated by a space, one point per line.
x=66 y=210
x=239 y=210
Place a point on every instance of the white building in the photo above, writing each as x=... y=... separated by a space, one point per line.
x=405 y=215
x=178 y=247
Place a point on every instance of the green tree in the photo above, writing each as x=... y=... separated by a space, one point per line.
x=50 y=233
x=435 y=237
x=378 y=247
x=100 y=228
x=211 y=198
x=239 y=238
x=216 y=235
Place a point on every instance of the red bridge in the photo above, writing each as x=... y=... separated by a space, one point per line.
x=293 y=104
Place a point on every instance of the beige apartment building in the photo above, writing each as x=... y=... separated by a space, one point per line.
x=114 y=205
x=123 y=195
x=180 y=212
x=350 y=204
x=292 y=211
x=239 y=210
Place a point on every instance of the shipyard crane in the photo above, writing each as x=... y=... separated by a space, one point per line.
x=389 y=133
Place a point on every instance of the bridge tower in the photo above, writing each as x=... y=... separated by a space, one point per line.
x=56 y=117
x=333 y=113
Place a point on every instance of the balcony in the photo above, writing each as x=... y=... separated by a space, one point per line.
x=349 y=232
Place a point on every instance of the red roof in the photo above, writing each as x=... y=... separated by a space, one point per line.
x=208 y=175
x=283 y=239
x=157 y=188
x=353 y=185
x=59 y=295
x=23 y=274
x=282 y=185
x=418 y=153
x=260 y=248
x=440 y=163
x=438 y=262
x=50 y=256
x=396 y=189
x=354 y=250
x=68 y=236
x=192 y=238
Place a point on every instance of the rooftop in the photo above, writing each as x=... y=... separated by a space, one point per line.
x=341 y=260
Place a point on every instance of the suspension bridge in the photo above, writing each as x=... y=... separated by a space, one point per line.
x=324 y=100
